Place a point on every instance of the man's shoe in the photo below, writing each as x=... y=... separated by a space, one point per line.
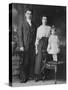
x=24 y=81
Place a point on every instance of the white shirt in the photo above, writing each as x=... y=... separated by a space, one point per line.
x=42 y=31
x=29 y=22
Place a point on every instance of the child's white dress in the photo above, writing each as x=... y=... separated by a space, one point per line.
x=53 y=45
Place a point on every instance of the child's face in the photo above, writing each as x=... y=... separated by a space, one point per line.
x=53 y=31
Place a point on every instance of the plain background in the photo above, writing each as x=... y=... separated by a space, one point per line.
x=4 y=43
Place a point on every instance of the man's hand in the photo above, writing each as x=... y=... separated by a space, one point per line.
x=21 y=48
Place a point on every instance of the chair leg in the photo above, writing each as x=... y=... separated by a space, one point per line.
x=55 y=74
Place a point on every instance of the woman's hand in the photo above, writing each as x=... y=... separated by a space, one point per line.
x=48 y=48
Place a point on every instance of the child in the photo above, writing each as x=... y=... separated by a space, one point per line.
x=53 y=44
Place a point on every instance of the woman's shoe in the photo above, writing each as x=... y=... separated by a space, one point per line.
x=37 y=78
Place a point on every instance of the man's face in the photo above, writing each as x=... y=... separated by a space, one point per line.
x=28 y=14
x=44 y=20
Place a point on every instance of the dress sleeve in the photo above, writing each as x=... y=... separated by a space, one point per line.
x=37 y=37
x=49 y=32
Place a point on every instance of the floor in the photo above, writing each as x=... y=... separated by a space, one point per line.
x=33 y=83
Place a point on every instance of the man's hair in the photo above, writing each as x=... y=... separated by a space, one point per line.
x=28 y=9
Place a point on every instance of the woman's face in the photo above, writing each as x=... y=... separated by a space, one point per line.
x=44 y=20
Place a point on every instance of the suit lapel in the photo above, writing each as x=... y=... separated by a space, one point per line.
x=28 y=27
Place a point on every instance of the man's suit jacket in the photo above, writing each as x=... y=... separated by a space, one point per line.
x=27 y=35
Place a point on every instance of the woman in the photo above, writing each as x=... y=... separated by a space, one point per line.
x=43 y=33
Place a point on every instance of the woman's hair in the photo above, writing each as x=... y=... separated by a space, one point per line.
x=44 y=17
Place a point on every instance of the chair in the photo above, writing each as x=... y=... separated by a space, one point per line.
x=51 y=65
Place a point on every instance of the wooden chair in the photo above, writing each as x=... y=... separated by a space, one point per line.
x=51 y=65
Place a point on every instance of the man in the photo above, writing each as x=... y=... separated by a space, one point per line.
x=27 y=40
x=43 y=32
